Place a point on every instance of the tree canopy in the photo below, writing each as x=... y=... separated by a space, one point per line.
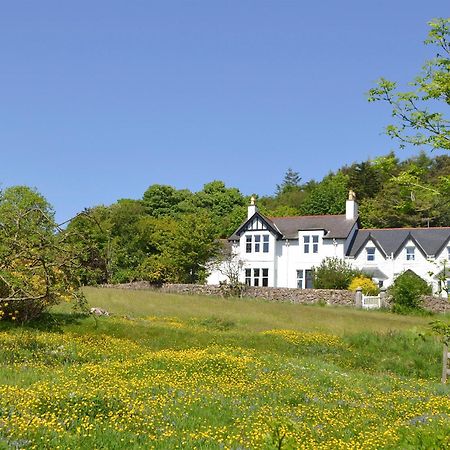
x=419 y=113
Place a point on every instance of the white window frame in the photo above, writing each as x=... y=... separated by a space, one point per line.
x=370 y=254
x=300 y=278
x=306 y=243
x=315 y=243
x=248 y=243
x=257 y=276
x=257 y=239
x=266 y=240
x=410 y=253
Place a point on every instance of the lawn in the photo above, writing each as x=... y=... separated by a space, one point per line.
x=168 y=371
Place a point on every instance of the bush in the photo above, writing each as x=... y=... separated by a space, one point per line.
x=406 y=292
x=365 y=283
x=334 y=273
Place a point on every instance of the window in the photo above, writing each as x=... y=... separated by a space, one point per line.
x=257 y=243
x=248 y=244
x=306 y=244
x=300 y=279
x=265 y=277
x=370 y=253
x=315 y=240
x=253 y=243
x=309 y=279
x=260 y=277
x=266 y=243
x=248 y=277
x=380 y=284
x=410 y=256
x=255 y=277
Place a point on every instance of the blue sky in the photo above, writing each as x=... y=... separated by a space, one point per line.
x=100 y=99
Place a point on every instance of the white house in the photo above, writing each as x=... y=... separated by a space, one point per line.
x=282 y=251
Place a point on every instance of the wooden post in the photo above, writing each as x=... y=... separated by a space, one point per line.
x=445 y=368
x=358 y=298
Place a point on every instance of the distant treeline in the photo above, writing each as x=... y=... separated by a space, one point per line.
x=170 y=234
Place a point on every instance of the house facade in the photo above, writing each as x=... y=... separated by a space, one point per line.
x=283 y=251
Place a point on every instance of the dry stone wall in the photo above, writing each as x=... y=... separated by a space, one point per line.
x=301 y=296
x=304 y=296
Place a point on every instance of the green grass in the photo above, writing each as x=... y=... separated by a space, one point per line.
x=251 y=314
x=171 y=371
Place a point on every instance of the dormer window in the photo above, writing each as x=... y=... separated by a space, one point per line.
x=309 y=241
x=315 y=240
x=306 y=244
x=370 y=251
x=410 y=253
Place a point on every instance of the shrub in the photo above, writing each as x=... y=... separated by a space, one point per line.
x=365 y=283
x=407 y=290
x=334 y=273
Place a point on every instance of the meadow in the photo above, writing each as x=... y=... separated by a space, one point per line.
x=168 y=371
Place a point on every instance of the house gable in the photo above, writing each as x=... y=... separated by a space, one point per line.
x=256 y=223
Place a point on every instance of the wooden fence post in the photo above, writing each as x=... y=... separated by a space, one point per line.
x=445 y=368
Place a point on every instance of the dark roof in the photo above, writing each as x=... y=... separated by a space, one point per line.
x=335 y=227
x=391 y=240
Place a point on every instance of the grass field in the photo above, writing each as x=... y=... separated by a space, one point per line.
x=168 y=371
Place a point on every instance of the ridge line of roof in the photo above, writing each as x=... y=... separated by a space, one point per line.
x=311 y=215
x=404 y=228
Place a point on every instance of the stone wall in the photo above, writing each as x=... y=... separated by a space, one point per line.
x=301 y=296
x=327 y=296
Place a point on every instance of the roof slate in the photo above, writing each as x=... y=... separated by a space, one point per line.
x=335 y=227
x=391 y=240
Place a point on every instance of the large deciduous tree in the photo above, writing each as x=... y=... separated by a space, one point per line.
x=419 y=113
x=39 y=267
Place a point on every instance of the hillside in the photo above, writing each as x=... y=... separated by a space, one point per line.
x=169 y=371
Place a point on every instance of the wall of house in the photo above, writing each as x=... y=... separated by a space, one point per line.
x=393 y=266
x=259 y=260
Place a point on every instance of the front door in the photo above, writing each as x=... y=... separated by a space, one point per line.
x=309 y=279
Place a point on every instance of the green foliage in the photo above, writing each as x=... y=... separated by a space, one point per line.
x=38 y=264
x=415 y=123
x=406 y=292
x=327 y=197
x=442 y=329
x=334 y=273
x=365 y=283
x=291 y=182
x=162 y=200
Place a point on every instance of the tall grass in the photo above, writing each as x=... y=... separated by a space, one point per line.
x=169 y=371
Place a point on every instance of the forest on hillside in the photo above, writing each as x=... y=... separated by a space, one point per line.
x=169 y=234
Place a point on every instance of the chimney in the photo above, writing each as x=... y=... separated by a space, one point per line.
x=252 y=208
x=351 y=207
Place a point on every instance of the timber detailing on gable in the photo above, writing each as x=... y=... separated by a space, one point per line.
x=256 y=223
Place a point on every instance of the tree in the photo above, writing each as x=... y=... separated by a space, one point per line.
x=328 y=196
x=222 y=203
x=334 y=273
x=39 y=266
x=291 y=181
x=415 y=122
x=407 y=290
x=161 y=200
